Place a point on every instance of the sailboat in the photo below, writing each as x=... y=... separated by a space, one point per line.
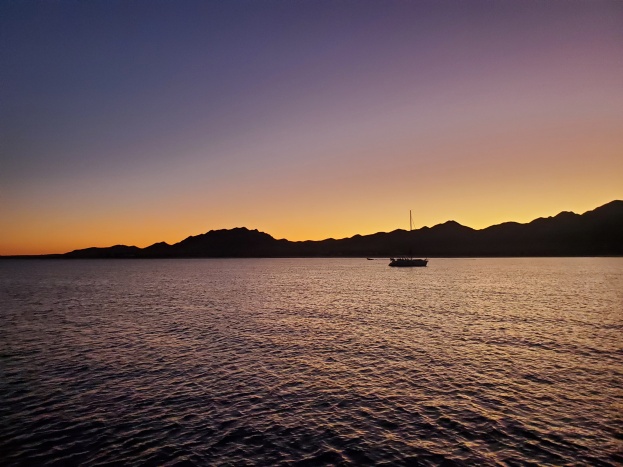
x=408 y=262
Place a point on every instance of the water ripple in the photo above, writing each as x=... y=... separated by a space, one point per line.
x=311 y=362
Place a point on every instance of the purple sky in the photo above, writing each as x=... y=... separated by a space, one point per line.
x=139 y=121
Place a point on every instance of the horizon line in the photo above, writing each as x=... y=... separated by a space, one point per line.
x=303 y=241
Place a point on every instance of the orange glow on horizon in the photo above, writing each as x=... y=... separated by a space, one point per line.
x=338 y=126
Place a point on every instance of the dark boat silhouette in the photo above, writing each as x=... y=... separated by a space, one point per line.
x=408 y=262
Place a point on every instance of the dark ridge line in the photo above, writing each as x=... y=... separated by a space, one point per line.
x=595 y=233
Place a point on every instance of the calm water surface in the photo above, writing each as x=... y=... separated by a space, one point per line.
x=311 y=362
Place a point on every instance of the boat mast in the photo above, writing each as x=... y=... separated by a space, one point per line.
x=410 y=229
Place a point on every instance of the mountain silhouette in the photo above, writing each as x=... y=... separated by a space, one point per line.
x=595 y=233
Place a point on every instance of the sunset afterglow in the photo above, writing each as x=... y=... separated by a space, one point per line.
x=139 y=122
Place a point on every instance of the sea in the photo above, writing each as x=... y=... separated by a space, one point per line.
x=293 y=362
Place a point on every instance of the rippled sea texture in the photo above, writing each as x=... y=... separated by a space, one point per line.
x=311 y=362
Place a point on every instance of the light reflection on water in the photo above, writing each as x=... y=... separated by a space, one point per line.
x=312 y=361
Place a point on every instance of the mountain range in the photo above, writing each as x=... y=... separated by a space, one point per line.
x=595 y=233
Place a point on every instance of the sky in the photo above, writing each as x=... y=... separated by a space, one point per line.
x=138 y=121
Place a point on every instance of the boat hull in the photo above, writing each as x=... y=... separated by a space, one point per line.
x=408 y=263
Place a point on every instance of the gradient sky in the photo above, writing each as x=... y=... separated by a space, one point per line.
x=140 y=121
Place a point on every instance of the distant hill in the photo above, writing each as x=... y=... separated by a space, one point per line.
x=594 y=233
